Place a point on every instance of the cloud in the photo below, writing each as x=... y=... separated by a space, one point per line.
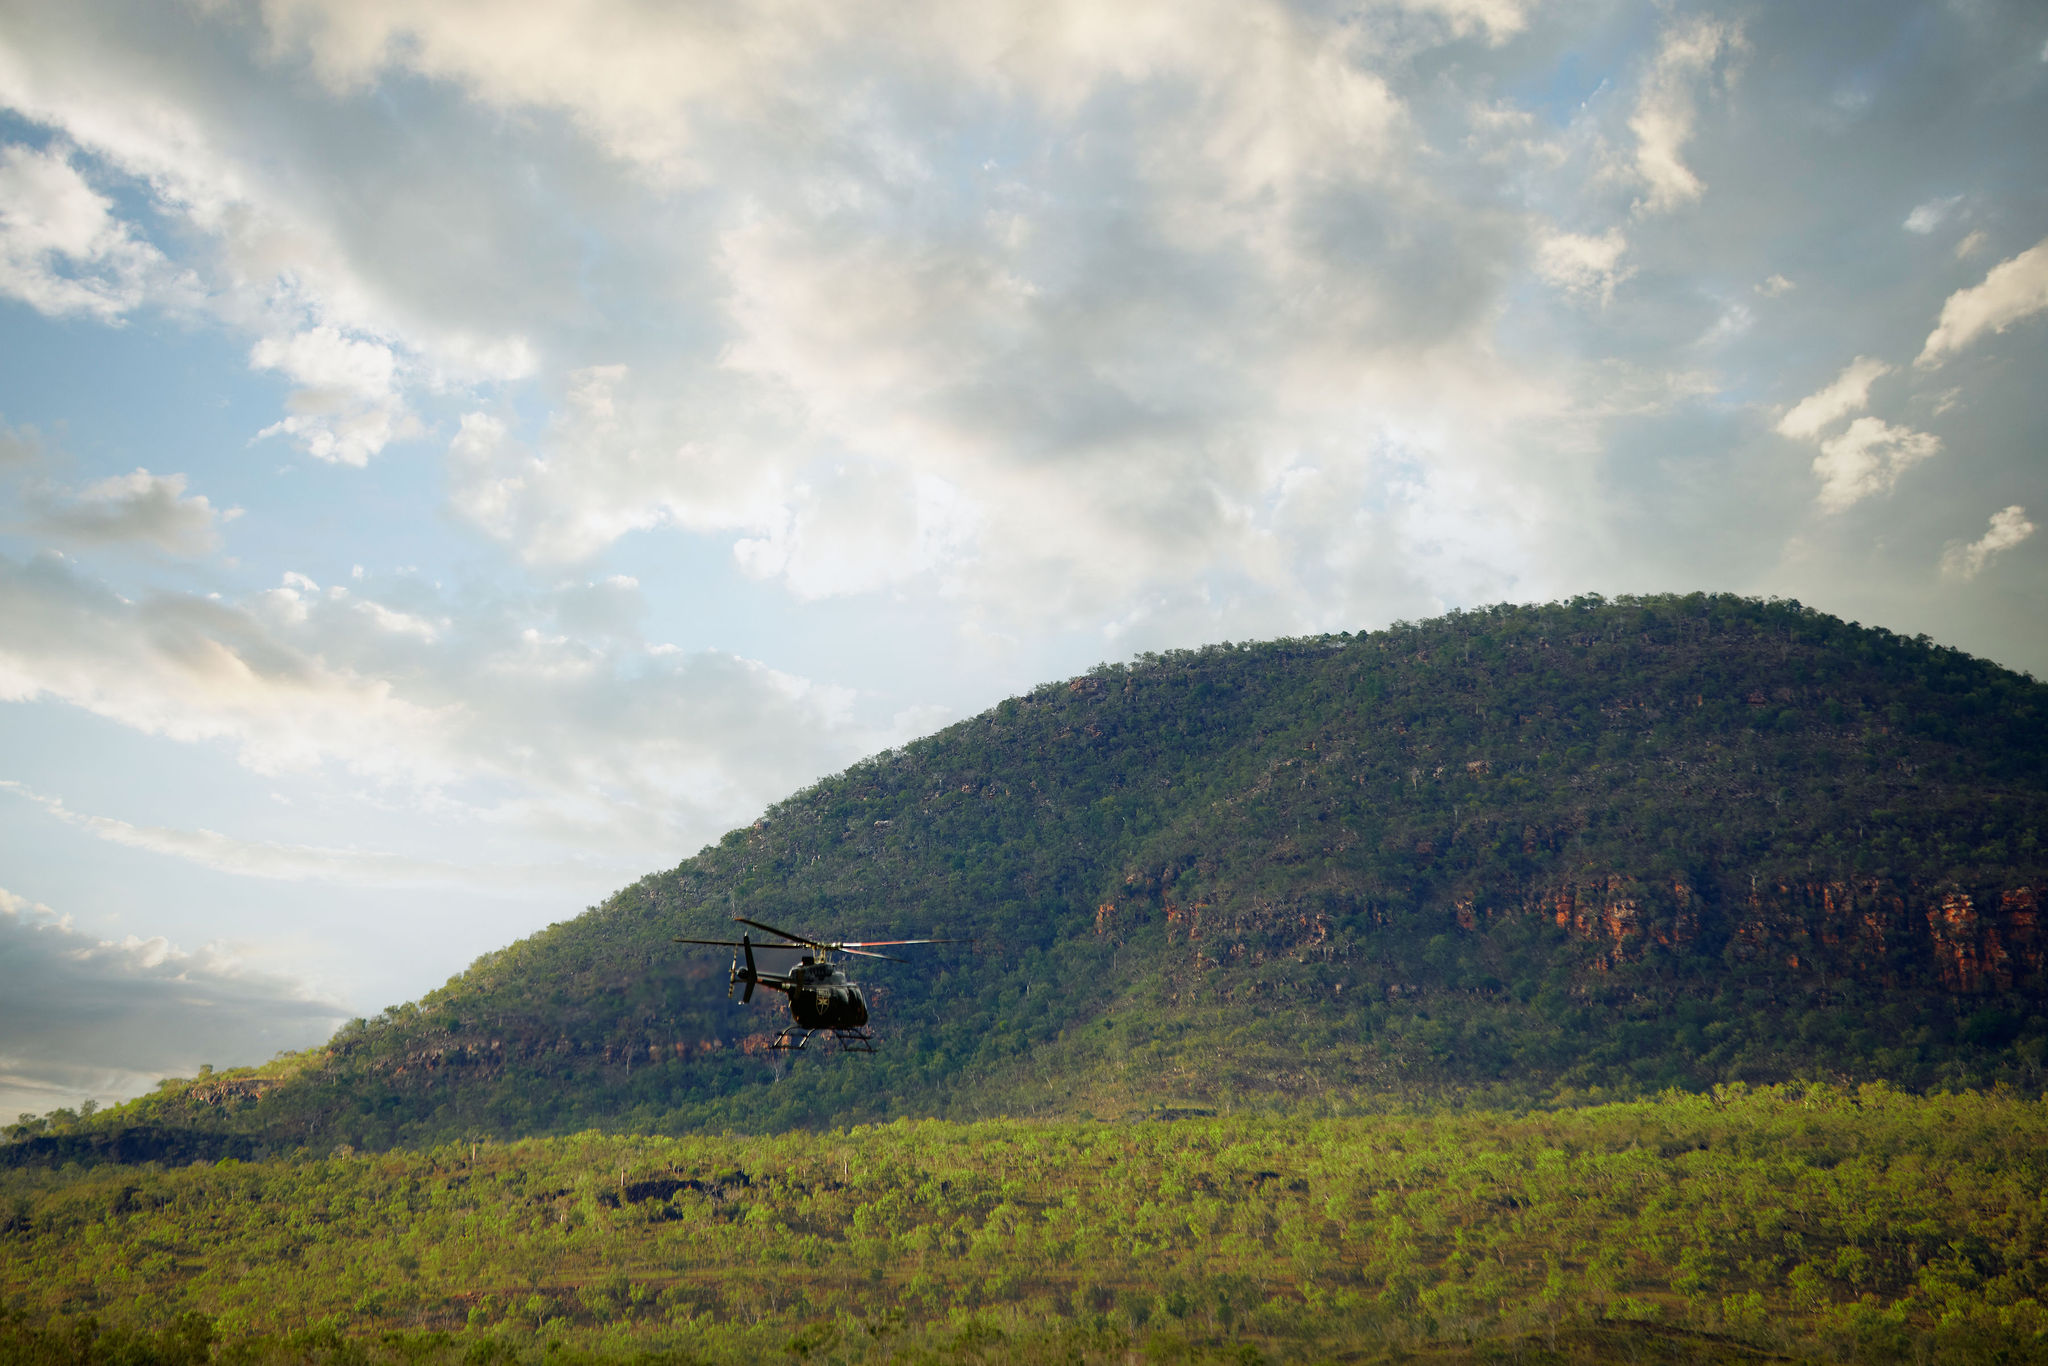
x=1053 y=364
x=302 y=862
x=1926 y=217
x=82 y=1017
x=62 y=251
x=1048 y=317
x=195 y=670
x=1667 y=110
x=133 y=509
x=20 y=446
x=609 y=748
x=1584 y=265
x=272 y=237
x=863 y=528
x=657 y=87
x=1735 y=320
x=612 y=606
x=1867 y=458
x=2013 y=291
x=927 y=370
x=2008 y=528
x=347 y=407
x=615 y=458
x=1868 y=455
x=1848 y=393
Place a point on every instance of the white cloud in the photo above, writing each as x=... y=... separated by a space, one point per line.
x=62 y=250
x=1867 y=458
x=616 y=459
x=1775 y=286
x=1203 y=243
x=197 y=670
x=1582 y=264
x=1849 y=392
x=608 y=749
x=1497 y=20
x=612 y=606
x=20 y=446
x=1043 y=312
x=303 y=862
x=860 y=530
x=1926 y=217
x=347 y=407
x=139 y=508
x=1667 y=110
x=1868 y=455
x=939 y=394
x=88 y=1018
x=652 y=85
x=2009 y=526
x=1735 y=320
x=399 y=623
x=2013 y=291
x=264 y=245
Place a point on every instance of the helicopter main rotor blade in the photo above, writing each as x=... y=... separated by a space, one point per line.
x=721 y=943
x=852 y=944
x=796 y=938
x=859 y=946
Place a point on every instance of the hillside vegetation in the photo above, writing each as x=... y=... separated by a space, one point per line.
x=1520 y=853
x=1794 y=1223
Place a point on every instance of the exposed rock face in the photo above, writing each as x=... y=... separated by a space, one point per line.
x=1973 y=942
x=228 y=1090
x=1620 y=914
x=1967 y=942
x=1977 y=951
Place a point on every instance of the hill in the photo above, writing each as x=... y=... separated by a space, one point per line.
x=1518 y=852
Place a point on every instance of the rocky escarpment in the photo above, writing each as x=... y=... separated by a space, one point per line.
x=1966 y=941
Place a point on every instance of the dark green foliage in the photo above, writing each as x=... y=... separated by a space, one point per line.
x=1518 y=853
x=1802 y=1222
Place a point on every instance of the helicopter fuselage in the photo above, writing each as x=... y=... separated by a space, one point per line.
x=820 y=997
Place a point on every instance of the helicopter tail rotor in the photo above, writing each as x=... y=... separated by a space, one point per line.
x=746 y=947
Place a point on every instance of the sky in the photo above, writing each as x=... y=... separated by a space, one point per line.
x=456 y=459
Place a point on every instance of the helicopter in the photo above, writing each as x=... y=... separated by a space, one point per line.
x=821 y=1000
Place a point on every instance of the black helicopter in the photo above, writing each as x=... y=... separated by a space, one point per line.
x=821 y=1000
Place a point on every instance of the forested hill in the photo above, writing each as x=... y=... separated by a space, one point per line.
x=1522 y=851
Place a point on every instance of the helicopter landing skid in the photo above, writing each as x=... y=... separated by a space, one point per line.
x=794 y=1037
